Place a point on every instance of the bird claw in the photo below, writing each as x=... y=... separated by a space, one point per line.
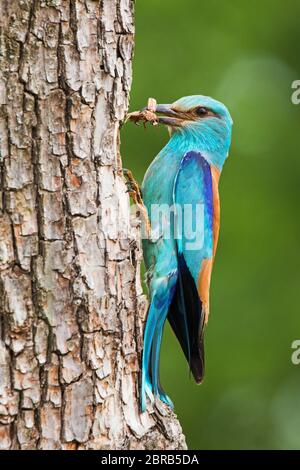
x=132 y=186
x=134 y=191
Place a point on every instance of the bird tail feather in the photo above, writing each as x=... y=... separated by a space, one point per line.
x=186 y=317
x=162 y=293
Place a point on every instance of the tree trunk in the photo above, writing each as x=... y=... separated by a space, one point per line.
x=71 y=303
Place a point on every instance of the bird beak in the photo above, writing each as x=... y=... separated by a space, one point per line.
x=168 y=116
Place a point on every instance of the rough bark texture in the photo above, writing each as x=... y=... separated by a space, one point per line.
x=71 y=304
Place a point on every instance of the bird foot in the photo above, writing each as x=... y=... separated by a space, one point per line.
x=136 y=194
x=133 y=186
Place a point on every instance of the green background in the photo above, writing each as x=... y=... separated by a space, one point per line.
x=246 y=54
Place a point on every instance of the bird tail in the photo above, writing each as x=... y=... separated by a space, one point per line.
x=162 y=290
x=186 y=317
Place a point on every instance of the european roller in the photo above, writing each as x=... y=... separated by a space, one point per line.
x=181 y=196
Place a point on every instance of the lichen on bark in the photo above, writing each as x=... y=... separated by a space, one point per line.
x=71 y=304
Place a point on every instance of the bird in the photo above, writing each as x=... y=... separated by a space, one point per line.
x=181 y=197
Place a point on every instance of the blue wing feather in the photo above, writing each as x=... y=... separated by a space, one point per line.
x=193 y=203
x=193 y=196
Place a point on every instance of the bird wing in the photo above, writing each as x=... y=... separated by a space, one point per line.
x=194 y=226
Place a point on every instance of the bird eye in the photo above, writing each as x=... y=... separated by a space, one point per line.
x=201 y=111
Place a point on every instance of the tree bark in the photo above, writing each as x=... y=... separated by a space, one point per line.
x=71 y=304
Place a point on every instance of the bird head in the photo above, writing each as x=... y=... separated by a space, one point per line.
x=199 y=123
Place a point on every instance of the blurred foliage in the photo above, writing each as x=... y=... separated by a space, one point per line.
x=245 y=54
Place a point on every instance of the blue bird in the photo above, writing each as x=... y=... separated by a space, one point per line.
x=180 y=193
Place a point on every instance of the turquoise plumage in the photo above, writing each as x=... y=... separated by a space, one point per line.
x=180 y=192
